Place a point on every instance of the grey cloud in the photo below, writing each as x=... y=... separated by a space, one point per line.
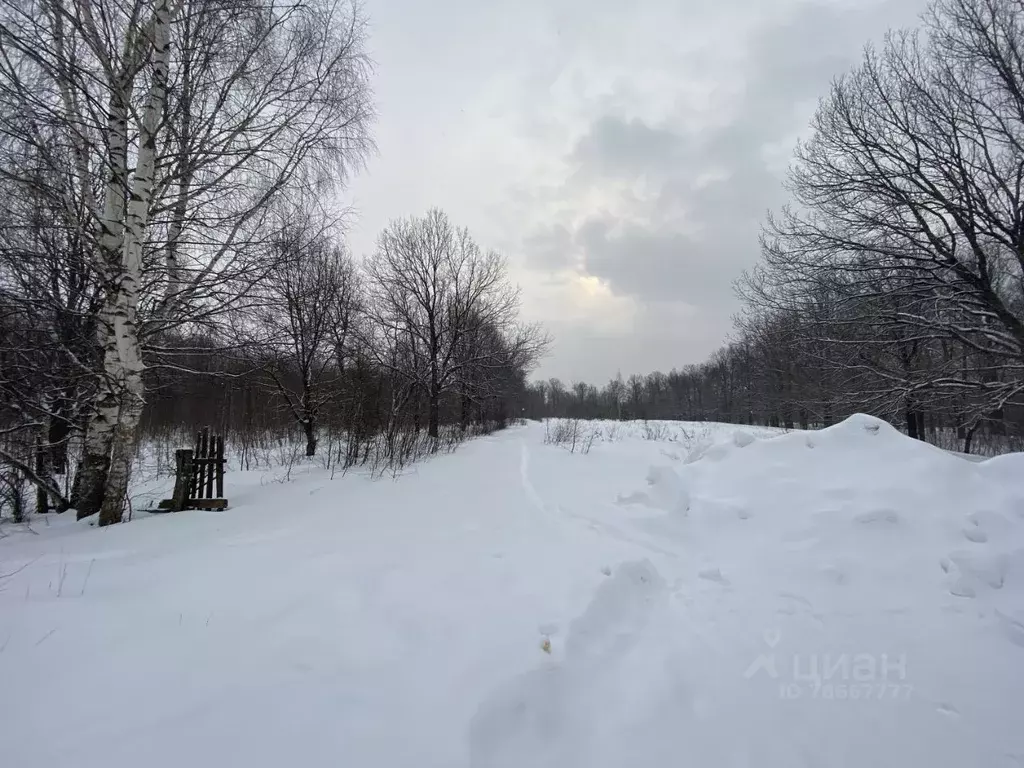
x=630 y=148
x=550 y=248
x=689 y=242
x=634 y=83
x=652 y=264
x=657 y=339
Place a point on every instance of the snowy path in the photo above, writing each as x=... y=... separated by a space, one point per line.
x=780 y=603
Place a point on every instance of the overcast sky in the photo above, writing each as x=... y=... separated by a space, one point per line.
x=620 y=154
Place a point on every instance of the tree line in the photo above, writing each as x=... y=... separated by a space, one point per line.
x=166 y=258
x=893 y=283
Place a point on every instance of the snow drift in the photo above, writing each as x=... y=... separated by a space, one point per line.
x=844 y=597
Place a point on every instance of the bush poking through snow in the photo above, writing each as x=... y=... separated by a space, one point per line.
x=13 y=495
x=656 y=430
x=573 y=434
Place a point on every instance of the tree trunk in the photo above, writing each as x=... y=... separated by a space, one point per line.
x=91 y=477
x=43 y=471
x=120 y=471
x=417 y=415
x=110 y=442
x=433 y=396
x=57 y=442
x=122 y=238
x=969 y=437
x=434 y=414
x=309 y=428
x=912 y=422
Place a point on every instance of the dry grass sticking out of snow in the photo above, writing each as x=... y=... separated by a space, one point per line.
x=581 y=435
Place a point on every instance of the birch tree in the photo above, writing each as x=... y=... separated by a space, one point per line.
x=195 y=117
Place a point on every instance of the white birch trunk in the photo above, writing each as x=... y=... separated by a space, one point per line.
x=91 y=483
x=91 y=479
x=124 y=341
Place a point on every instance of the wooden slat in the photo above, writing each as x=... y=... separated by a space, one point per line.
x=182 y=478
x=219 y=468
x=211 y=467
x=194 y=479
x=204 y=438
x=208 y=503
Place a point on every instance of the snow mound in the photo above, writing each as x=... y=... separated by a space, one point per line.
x=869 y=582
x=742 y=439
x=897 y=510
x=716 y=447
x=667 y=490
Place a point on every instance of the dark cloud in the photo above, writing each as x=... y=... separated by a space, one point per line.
x=651 y=264
x=617 y=147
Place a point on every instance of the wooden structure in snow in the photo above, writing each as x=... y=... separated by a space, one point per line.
x=199 y=475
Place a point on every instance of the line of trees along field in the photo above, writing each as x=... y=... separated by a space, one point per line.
x=165 y=260
x=894 y=283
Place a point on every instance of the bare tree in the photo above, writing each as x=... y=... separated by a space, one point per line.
x=431 y=293
x=908 y=204
x=310 y=300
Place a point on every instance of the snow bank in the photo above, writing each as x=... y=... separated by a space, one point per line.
x=861 y=503
x=870 y=585
x=717 y=445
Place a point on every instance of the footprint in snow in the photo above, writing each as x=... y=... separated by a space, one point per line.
x=885 y=518
x=835 y=574
x=616 y=614
x=1012 y=629
x=540 y=718
x=976 y=535
x=713 y=574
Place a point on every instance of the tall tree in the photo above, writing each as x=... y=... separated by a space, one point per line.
x=432 y=291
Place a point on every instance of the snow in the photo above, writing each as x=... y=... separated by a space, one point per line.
x=713 y=597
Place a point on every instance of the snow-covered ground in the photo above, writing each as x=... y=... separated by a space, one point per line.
x=722 y=597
